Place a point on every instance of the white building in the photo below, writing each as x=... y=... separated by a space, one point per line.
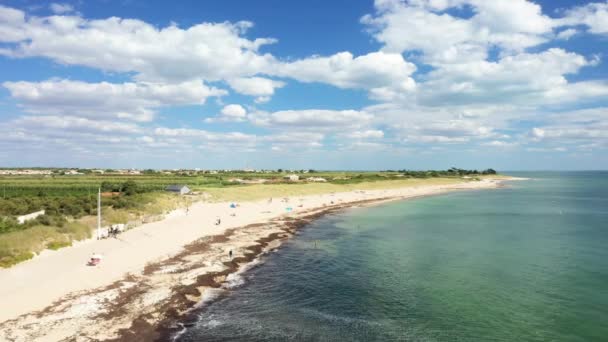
x=181 y=189
x=292 y=178
x=21 y=219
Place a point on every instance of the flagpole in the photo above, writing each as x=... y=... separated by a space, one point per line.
x=99 y=214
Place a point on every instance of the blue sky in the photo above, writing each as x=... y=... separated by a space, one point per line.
x=385 y=84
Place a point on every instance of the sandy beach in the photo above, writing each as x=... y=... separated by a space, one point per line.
x=151 y=275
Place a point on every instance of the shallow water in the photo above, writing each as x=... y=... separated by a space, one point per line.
x=525 y=263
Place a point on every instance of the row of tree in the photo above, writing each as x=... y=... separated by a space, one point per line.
x=450 y=172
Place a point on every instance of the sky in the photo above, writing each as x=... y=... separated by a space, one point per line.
x=330 y=85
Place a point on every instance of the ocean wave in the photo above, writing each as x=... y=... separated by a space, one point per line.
x=209 y=295
x=336 y=318
x=179 y=333
x=237 y=278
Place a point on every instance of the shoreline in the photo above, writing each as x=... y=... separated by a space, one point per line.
x=152 y=304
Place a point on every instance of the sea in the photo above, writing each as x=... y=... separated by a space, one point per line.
x=528 y=262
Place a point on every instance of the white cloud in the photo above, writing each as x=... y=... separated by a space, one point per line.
x=368 y=134
x=500 y=143
x=567 y=34
x=481 y=82
x=290 y=139
x=343 y=70
x=525 y=78
x=593 y=15
x=131 y=101
x=58 y=8
x=70 y=124
x=365 y=146
x=538 y=133
x=176 y=136
x=261 y=99
x=11 y=30
x=234 y=111
x=255 y=86
x=206 y=51
x=448 y=131
x=312 y=119
x=146 y=139
x=209 y=51
x=424 y=26
x=588 y=128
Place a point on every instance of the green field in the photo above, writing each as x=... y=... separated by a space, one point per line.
x=70 y=201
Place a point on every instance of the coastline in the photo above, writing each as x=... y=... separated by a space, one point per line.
x=147 y=303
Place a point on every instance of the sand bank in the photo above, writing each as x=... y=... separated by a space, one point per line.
x=153 y=274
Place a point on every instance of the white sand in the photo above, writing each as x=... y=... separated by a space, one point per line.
x=37 y=283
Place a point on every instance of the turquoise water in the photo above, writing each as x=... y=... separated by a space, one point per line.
x=525 y=263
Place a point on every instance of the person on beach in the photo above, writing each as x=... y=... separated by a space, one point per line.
x=230 y=254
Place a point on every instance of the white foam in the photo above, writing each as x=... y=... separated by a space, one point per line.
x=233 y=280
x=212 y=323
x=179 y=333
x=237 y=279
x=210 y=295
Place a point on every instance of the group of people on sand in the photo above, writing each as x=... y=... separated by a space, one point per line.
x=113 y=232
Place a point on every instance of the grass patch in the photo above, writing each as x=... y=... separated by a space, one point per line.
x=55 y=245
x=113 y=216
x=21 y=245
x=8 y=261
x=162 y=203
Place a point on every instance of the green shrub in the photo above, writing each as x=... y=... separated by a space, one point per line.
x=55 y=245
x=10 y=260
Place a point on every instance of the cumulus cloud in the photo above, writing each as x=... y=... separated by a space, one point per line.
x=426 y=26
x=592 y=15
x=525 y=78
x=567 y=34
x=68 y=123
x=500 y=144
x=376 y=70
x=312 y=119
x=130 y=101
x=234 y=111
x=206 y=51
x=585 y=129
x=439 y=77
x=261 y=87
x=209 y=51
x=203 y=134
x=59 y=8
x=367 y=134
x=295 y=138
x=571 y=126
x=237 y=139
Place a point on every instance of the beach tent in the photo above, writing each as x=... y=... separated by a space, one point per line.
x=232 y=205
x=94 y=260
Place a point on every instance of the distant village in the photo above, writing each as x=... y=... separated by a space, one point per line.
x=290 y=175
